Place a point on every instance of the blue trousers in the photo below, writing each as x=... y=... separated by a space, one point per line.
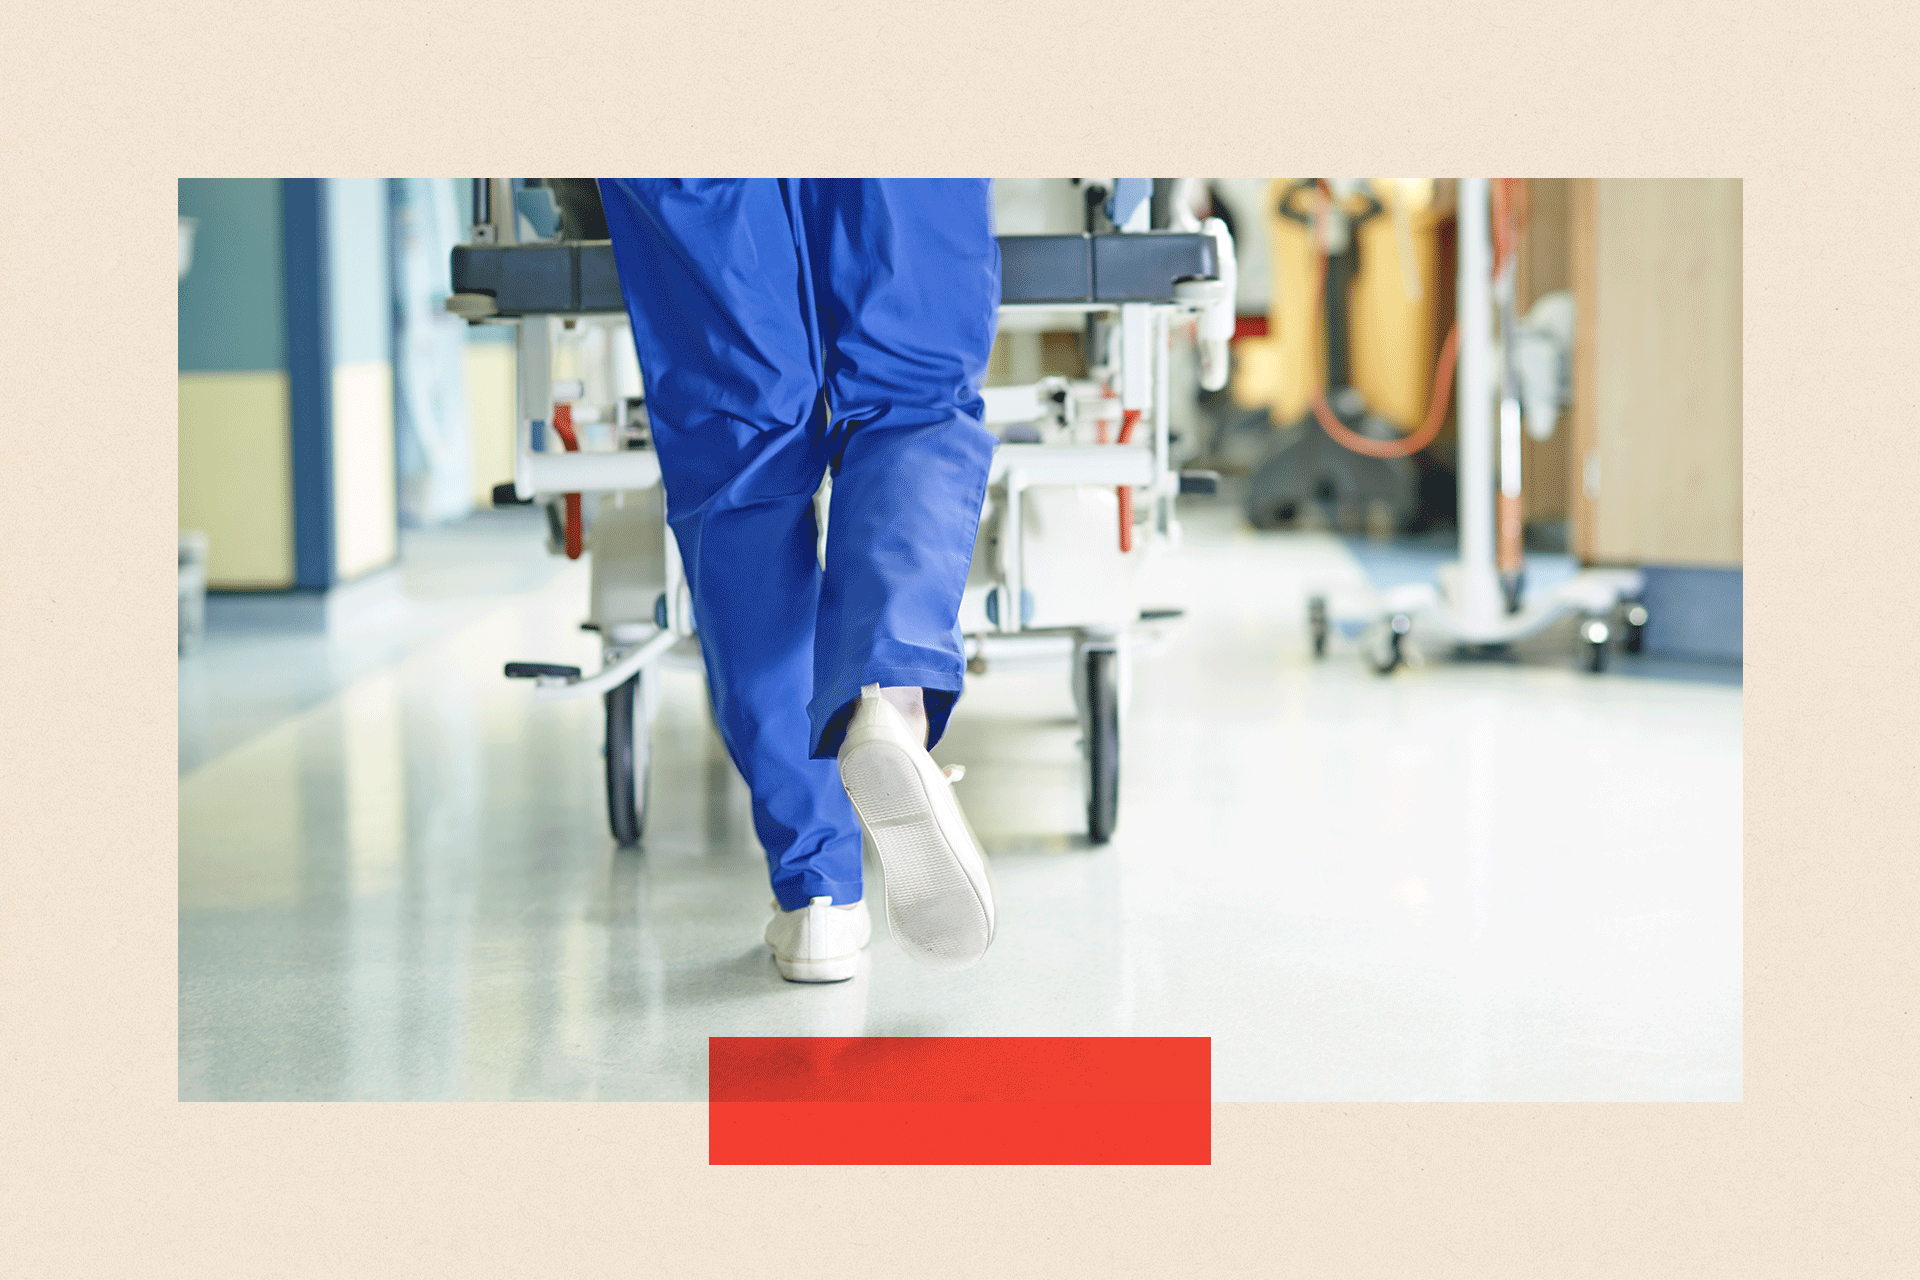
x=785 y=328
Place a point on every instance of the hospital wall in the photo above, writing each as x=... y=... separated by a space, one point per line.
x=236 y=473
x=288 y=404
x=285 y=393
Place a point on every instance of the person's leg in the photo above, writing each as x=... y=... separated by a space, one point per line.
x=715 y=277
x=906 y=283
x=910 y=701
x=907 y=286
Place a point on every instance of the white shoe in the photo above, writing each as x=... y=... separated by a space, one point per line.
x=819 y=942
x=939 y=900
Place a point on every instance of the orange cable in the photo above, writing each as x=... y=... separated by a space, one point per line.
x=1441 y=389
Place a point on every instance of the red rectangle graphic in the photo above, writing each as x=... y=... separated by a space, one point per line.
x=959 y=1100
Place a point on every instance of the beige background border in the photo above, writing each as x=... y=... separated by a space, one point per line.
x=103 y=1174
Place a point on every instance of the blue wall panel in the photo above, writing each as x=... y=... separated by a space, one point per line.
x=307 y=267
x=1694 y=613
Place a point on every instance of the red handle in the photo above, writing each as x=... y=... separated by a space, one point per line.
x=563 y=427
x=1129 y=419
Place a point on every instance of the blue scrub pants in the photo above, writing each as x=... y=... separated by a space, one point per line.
x=785 y=328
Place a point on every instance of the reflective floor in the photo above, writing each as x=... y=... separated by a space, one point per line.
x=1471 y=880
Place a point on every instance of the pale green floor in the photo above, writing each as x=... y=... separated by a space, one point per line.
x=1469 y=881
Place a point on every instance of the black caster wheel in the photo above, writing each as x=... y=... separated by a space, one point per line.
x=1595 y=634
x=1397 y=628
x=1317 y=622
x=628 y=756
x=1102 y=743
x=1512 y=588
x=1636 y=629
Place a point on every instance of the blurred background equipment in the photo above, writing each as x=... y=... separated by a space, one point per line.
x=1645 y=272
x=1476 y=599
x=1339 y=454
x=431 y=421
x=193 y=590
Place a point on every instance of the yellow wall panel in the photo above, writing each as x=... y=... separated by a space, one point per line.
x=236 y=476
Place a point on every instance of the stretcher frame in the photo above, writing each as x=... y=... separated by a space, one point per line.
x=1144 y=279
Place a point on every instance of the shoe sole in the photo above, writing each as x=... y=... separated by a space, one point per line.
x=838 y=969
x=935 y=908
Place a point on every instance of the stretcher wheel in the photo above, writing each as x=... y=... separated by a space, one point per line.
x=1103 y=743
x=1397 y=628
x=628 y=756
x=1594 y=635
x=1635 y=638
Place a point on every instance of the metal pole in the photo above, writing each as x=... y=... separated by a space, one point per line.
x=1479 y=600
x=1013 y=585
x=533 y=371
x=1164 y=483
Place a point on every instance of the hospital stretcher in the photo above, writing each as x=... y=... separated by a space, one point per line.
x=1082 y=487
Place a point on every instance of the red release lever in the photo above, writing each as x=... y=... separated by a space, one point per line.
x=1129 y=419
x=563 y=427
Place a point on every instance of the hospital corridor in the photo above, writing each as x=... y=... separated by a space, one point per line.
x=1346 y=670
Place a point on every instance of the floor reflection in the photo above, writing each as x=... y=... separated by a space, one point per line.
x=1472 y=881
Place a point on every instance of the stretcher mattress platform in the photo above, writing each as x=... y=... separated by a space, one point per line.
x=562 y=278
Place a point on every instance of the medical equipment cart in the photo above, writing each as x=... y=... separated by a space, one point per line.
x=1469 y=604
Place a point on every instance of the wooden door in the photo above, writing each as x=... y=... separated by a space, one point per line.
x=1656 y=418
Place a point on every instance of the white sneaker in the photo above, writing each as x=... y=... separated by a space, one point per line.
x=819 y=942
x=939 y=900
